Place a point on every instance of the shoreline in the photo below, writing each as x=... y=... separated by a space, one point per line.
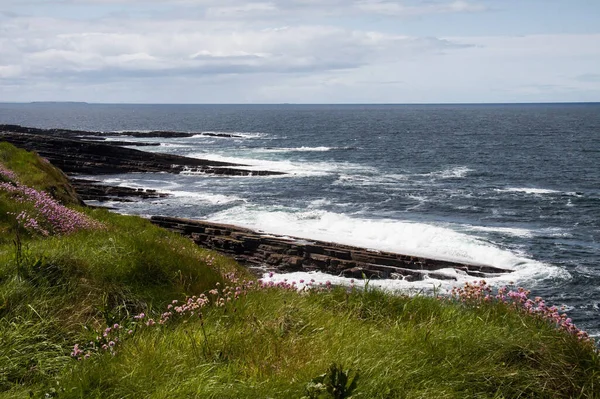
x=76 y=156
x=286 y=254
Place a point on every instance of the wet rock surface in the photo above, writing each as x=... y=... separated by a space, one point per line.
x=93 y=190
x=285 y=254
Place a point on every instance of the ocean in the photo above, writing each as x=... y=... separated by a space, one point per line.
x=509 y=185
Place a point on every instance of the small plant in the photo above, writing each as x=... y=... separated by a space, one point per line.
x=43 y=214
x=18 y=251
x=476 y=294
x=336 y=383
x=7 y=174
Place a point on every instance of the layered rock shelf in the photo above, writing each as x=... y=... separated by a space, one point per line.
x=285 y=254
x=93 y=190
x=74 y=155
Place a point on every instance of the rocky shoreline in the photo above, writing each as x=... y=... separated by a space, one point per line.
x=288 y=254
x=79 y=152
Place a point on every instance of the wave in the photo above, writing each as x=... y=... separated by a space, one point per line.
x=291 y=168
x=125 y=139
x=411 y=238
x=513 y=231
x=237 y=135
x=395 y=181
x=391 y=181
x=302 y=149
x=129 y=131
x=450 y=173
x=317 y=279
x=527 y=190
x=213 y=199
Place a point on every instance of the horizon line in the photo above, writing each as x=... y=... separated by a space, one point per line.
x=299 y=103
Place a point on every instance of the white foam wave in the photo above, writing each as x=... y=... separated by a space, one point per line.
x=292 y=168
x=451 y=173
x=319 y=279
x=126 y=139
x=527 y=190
x=319 y=203
x=130 y=131
x=214 y=199
x=513 y=231
x=295 y=149
x=244 y=135
x=389 y=180
x=394 y=181
x=405 y=237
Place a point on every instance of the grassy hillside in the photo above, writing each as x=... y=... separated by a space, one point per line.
x=110 y=306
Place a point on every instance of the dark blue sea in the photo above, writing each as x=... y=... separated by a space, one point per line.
x=515 y=186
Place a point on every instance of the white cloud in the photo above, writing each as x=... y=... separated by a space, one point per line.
x=278 y=51
x=43 y=47
x=400 y=9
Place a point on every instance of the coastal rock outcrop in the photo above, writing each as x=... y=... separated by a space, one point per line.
x=76 y=156
x=93 y=190
x=285 y=254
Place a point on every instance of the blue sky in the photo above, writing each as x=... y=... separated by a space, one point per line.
x=299 y=51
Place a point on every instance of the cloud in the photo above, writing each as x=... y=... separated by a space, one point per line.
x=50 y=48
x=275 y=8
x=395 y=8
x=278 y=51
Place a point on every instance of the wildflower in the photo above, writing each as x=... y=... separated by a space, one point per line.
x=48 y=216
x=7 y=173
x=76 y=351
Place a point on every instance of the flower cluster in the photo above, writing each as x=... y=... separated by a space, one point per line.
x=7 y=174
x=225 y=296
x=479 y=292
x=105 y=341
x=46 y=215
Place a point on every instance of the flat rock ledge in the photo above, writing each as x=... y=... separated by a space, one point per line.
x=94 y=190
x=289 y=254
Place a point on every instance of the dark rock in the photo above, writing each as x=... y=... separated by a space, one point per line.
x=76 y=156
x=69 y=133
x=293 y=254
x=128 y=143
x=90 y=190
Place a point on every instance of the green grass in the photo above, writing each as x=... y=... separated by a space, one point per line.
x=276 y=341
x=269 y=344
x=38 y=173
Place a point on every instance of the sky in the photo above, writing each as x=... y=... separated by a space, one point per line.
x=300 y=51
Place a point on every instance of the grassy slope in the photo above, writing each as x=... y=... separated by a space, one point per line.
x=38 y=173
x=271 y=343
